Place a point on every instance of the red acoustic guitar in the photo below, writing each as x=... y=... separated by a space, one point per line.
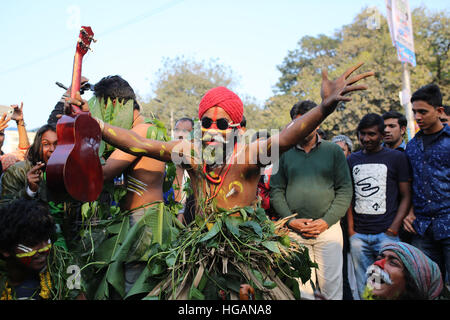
x=74 y=165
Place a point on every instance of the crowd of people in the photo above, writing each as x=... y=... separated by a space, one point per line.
x=373 y=223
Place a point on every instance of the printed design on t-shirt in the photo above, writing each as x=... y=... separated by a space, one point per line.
x=370 y=188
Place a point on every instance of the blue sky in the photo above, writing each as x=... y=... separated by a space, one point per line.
x=252 y=37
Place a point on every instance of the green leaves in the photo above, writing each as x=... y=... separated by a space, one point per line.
x=233 y=224
x=213 y=231
x=255 y=226
x=301 y=69
x=272 y=246
x=195 y=294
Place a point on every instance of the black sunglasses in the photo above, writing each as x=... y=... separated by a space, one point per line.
x=222 y=123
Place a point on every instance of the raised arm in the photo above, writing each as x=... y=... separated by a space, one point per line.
x=332 y=92
x=132 y=143
x=24 y=143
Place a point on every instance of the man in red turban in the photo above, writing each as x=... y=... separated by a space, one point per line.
x=224 y=177
x=232 y=183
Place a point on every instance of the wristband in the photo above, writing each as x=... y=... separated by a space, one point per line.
x=395 y=233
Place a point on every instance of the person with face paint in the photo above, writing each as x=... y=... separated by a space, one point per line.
x=225 y=173
x=220 y=114
x=403 y=272
x=30 y=254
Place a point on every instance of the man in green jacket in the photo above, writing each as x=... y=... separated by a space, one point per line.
x=313 y=181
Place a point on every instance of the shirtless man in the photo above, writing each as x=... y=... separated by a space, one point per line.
x=232 y=183
x=144 y=175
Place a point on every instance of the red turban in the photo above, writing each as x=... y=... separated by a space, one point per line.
x=224 y=98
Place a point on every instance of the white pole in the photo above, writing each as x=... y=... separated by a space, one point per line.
x=171 y=123
x=406 y=101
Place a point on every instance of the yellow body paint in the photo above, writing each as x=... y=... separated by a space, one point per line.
x=112 y=132
x=222 y=194
x=135 y=139
x=236 y=183
x=138 y=150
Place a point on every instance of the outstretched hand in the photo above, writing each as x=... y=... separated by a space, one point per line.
x=333 y=92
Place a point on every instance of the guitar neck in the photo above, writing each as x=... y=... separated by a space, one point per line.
x=76 y=78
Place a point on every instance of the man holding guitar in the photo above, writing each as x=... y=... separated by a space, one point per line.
x=144 y=176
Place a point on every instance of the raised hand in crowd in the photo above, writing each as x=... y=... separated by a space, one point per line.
x=18 y=113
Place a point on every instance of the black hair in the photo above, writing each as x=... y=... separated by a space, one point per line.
x=24 y=221
x=34 y=153
x=396 y=115
x=185 y=119
x=447 y=110
x=322 y=134
x=115 y=87
x=429 y=93
x=243 y=122
x=370 y=120
x=302 y=107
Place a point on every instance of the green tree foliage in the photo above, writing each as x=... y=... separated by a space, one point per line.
x=182 y=82
x=180 y=85
x=301 y=69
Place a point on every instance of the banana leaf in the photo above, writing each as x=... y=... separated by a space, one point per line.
x=131 y=245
